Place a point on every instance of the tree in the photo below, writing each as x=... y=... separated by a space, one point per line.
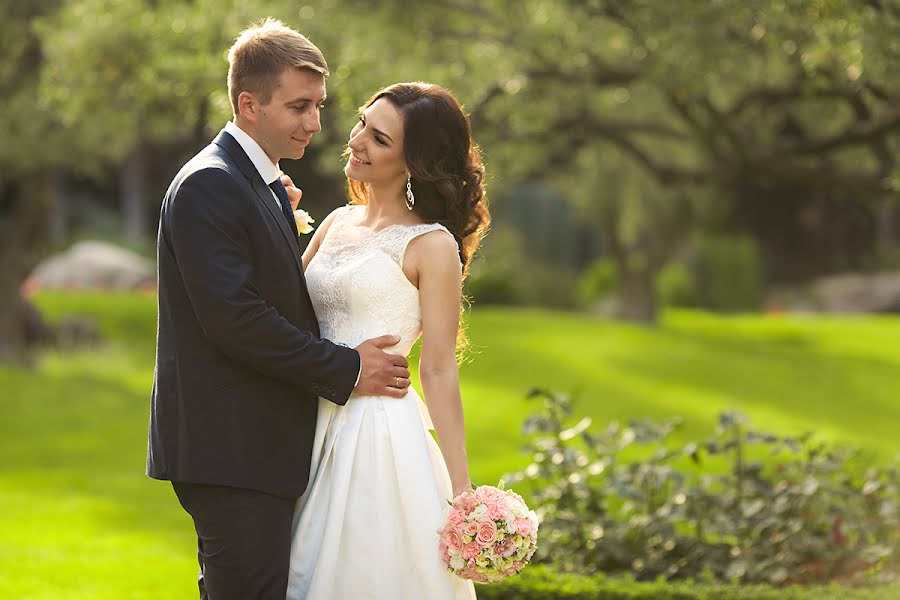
x=650 y=117
x=24 y=166
x=653 y=116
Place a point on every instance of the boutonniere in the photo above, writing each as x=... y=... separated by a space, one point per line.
x=303 y=221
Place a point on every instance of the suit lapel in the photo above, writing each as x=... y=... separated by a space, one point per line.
x=225 y=141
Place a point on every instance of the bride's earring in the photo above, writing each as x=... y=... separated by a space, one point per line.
x=410 y=199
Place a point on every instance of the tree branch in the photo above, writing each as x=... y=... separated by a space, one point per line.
x=868 y=132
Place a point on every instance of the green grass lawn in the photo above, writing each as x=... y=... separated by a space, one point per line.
x=79 y=520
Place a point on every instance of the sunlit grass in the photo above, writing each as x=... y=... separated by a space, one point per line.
x=79 y=520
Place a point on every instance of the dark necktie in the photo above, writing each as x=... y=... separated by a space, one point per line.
x=285 y=202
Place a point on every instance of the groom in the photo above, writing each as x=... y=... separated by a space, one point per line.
x=240 y=363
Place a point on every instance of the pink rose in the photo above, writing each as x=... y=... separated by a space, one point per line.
x=470 y=551
x=488 y=494
x=457 y=515
x=487 y=533
x=466 y=501
x=470 y=529
x=524 y=527
x=453 y=539
x=497 y=511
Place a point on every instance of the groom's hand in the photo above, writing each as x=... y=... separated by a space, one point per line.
x=294 y=193
x=382 y=374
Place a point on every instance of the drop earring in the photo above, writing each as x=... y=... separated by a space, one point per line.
x=410 y=199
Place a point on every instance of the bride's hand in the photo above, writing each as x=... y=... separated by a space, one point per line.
x=294 y=193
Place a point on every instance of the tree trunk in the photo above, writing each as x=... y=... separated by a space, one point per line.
x=886 y=222
x=23 y=229
x=58 y=217
x=637 y=296
x=132 y=175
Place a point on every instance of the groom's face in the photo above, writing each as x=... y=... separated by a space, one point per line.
x=285 y=125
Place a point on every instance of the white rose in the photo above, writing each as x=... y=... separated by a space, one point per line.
x=303 y=221
x=479 y=513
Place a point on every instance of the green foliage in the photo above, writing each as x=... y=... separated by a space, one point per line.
x=742 y=505
x=34 y=137
x=644 y=117
x=503 y=273
x=598 y=281
x=137 y=71
x=717 y=272
x=728 y=272
x=542 y=583
x=677 y=286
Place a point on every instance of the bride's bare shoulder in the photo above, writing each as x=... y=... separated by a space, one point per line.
x=435 y=251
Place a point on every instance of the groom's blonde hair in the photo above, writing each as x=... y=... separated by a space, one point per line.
x=262 y=52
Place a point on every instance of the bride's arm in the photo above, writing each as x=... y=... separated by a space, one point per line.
x=440 y=288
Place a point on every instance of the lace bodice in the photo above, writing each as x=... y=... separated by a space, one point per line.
x=357 y=285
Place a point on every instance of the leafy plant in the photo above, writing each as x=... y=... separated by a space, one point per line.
x=742 y=505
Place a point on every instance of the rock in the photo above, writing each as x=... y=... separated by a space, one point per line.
x=95 y=265
x=859 y=292
x=844 y=293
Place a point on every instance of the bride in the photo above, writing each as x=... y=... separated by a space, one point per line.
x=392 y=261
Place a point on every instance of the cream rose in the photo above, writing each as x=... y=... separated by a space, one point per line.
x=303 y=221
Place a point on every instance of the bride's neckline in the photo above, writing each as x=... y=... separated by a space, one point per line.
x=379 y=230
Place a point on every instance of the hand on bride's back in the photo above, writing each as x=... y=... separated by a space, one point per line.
x=381 y=373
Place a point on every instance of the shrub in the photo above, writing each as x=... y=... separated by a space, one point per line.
x=728 y=272
x=504 y=274
x=542 y=583
x=599 y=281
x=742 y=506
x=677 y=286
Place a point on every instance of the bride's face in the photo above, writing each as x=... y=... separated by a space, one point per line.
x=376 y=145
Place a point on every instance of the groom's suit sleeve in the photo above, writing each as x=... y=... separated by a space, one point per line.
x=204 y=222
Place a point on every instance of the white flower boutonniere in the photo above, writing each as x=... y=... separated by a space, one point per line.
x=303 y=221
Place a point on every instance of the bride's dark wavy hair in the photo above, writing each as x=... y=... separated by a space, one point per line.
x=446 y=171
x=444 y=163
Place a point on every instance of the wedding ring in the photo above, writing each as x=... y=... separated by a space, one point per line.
x=396 y=382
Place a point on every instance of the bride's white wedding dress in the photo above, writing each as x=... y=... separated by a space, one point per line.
x=366 y=526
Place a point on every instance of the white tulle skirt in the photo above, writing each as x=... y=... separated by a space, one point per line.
x=367 y=525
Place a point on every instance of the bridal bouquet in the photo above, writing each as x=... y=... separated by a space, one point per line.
x=490 y=534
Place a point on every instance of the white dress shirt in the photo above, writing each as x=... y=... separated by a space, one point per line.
x=264 y=165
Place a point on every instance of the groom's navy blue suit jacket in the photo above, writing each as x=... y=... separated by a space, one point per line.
x=239 y=361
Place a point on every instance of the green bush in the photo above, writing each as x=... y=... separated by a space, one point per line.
x=743 y=505
x=541 y=583
x=599 y=281
x=728 y=272
x=504 y=274
x=495 y=286
x=551 y=287
x=677 y=286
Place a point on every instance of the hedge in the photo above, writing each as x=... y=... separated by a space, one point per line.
x=542 y=583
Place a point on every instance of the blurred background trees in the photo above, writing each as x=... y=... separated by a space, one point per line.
x=639 y=153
